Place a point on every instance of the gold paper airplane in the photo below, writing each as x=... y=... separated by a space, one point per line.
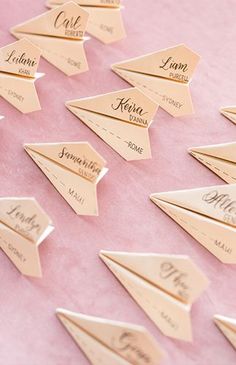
x=228 y=327
x=163 y=76
x=229 y=112
x=59 y=33
x=105 y=20
x=220 y=158
x=18 y=65
x=165 y=286
x=23 y=226
x=121 y=118
x=107 y=342
x=207 y=214
x=74 y=168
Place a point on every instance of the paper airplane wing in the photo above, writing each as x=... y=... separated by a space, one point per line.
x=228 y=328
x=120 y=118
x=74 y=169
x=169 y=314
x=108 y=342
x=163 y=76
x=230 y=113
x=20 y=58
x=67 y=21
x=23 y=226
x=100 y=3
x=221 y=159
x=207 y=214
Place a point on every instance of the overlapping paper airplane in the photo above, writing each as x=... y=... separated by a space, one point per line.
x=18 y=65
x=219 y=158
x=229 y=112
x=163 y=76
x=165 y=286
x=107 y=342
x=74 y=168
x=105 y=19
x=59 y=33
x=227 y=326
x=208 y=214
x=23 y=226
x=121 y=118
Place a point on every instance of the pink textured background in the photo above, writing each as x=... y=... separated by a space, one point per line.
x=73 y=275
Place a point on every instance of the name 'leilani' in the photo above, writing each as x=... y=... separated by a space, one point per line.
x=22 y=59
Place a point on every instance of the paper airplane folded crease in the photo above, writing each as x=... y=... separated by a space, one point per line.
x=105 y=20
x=59 y=33
x=74 y=168
x=121 y=118
x=163 y=76
x=18 y=65
x=229 y=112
x=165 y=286
x=208 y=214
x=227 y=326
x=23 y=226
x=108 y=342
x=219 y=158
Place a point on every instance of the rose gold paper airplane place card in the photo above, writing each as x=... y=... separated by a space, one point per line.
x=23 y=226
x=107 y=342
x=105 y=20
x=163 y=76
x=18 y=65
x=59 y=33
x=228 y=327
x=207 y=214
x=219 y=158
x=229 y=112
x=74 y=168
x=121 y=118
x=165 y=286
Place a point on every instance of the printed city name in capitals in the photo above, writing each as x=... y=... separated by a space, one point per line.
x=13 y=250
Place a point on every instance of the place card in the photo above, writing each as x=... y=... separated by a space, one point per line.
x=229 y=112
x=106 y=341
x=121 y=118
x=18 y=65
x=163 y=76
x=105 y=19
x=74 y=168
x=227 y=326
x=23 y=226
x=208 y=214
x=165 y=286
x=59 y=33
x=219 y=158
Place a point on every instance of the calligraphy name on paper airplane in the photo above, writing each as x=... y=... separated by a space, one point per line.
x=71 y=25
x=170 y=64
x=23 y=223
x=21 y=59
x=124 y=104
x=168 y=271
x=87 y=168
x=223 y=202
x=127 y=343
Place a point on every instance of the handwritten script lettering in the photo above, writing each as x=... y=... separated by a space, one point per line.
x=20 y=59
x=70 y=25
x=127 y=344
x=169 y=272
x=23 y=222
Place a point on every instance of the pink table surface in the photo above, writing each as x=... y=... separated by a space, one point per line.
x=73 y=275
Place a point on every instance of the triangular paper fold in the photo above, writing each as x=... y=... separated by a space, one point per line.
x=227 y=326
x=208 y=214
x=221 y=159
x=74 y=169
x=105 y=19
x=120 y=118
x=23 y=226
x=230 y=113
x=163 y=76
x=59 y=33
x=18 y=65
x=163 y=285
x=103 y=340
